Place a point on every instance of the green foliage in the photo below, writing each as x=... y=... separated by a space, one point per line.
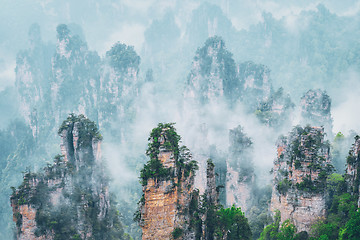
x=165 y=132
x=123 y=57
x=178 y=232
x=341 y=207
x=270 y=232
x=226 y=67
x=283 y=186
x=324 y=230
x=266 y=114
x=351 y=229
x=87 y=128
x=339 y=137
x=18 y=218
x=307 y=185
x=79 y=203
x=165 y=136
x=76 y=237
x=185 y=165
x=335 y=185
x=297 y=164
x=155 y=170
x=233 y=224
x=287 y=231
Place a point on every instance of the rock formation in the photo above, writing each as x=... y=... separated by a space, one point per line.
x=168 y=187
x=316 y=110
x=32 y=69
x=275 y=111
x=216 y=78
x=213 y=73
x=171 y=207
x=71 y=197
x=300 y=172
x=74 y=76
x=352 y=170
x=53 y=81
x=119 y=87
x=254 y=84
x=240 y=177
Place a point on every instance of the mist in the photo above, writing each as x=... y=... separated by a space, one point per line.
x=296 y=45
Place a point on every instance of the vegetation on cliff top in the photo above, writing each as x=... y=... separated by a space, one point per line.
x=66 y=199
x=165 y=137
x=306 y=150
x=87 y=129
x=123 y=57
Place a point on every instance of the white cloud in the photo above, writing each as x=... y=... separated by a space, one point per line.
x=7 y=75
x=346 y=113
x=130 y=34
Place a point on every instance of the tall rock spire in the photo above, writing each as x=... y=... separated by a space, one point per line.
x=70 y=198
x=168 y=180
x=300 y=173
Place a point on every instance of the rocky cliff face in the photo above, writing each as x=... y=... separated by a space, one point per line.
x=352 y=170
x=240 y=177
x=213 y=73
x=53 y=81
x=300 y=173
x=215 y=77
x=32 y=69
x=71 y=197
x=255 y=84
x=276 y=110
x=119 y=88
x=316 y=110
x=168 y=187
x=74 y=76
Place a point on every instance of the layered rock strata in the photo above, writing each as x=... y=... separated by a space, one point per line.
x=300 y=172
x=168 y=190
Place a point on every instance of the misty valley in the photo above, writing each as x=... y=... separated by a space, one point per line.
x=217 y=125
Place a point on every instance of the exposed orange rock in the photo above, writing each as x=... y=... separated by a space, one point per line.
x=165 y=203
x=164 y=200
x=27 y=215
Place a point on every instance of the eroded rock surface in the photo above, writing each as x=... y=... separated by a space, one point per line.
x=300 y=173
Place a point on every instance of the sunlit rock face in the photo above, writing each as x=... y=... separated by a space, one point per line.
x=119 y=89
x=171 y=208
x=316 y=110
x=240 y=177
x=352 y=170
x=166 y=200
x=70 y=198
x=300 y=172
